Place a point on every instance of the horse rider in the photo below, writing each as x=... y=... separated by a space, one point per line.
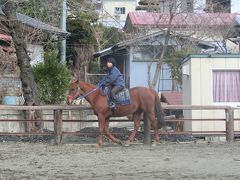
x=114 y=79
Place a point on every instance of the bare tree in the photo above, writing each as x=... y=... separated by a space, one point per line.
x=192 y=27
x=170 y=10
x=29 y=86
x=83 y=56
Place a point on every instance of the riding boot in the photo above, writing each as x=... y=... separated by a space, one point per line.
x=112 y=103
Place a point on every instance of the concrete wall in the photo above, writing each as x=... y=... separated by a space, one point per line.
x=10 y=85
x=197 y=89
x=11 y=126
x=70 y=115
x=48 y=115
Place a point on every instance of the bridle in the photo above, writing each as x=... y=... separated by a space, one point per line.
x=81 y=97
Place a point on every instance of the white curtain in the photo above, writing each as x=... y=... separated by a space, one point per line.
x=226 y=86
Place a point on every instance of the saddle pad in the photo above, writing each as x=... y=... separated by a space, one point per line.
x=123 y=97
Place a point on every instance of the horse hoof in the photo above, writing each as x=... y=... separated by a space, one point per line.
x=123 y=143
x=154 y=144
x=126 y=144
x=98 y=146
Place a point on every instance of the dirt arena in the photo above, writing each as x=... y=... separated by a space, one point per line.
x=76 y=161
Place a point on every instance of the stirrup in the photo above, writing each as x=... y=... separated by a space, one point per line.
x=112 y=105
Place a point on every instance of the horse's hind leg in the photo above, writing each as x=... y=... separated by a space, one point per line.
x=101 y=124
x=151 y=117
x=136 y=119
x=109 y=135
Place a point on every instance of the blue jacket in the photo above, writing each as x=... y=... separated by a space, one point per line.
x=113 y=78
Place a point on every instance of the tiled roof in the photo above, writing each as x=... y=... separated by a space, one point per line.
x=181 y=20
x=172 y=98
x=144 y=38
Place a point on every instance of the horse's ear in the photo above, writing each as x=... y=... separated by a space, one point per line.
x=76 y=81
x=75 y=78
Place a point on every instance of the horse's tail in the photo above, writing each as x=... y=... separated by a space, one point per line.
x=159 y=111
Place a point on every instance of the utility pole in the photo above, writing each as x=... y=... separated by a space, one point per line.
x=64 y=28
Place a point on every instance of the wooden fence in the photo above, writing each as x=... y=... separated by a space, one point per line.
x=58 y=121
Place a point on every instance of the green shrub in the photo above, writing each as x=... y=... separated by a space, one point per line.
x=52 y=79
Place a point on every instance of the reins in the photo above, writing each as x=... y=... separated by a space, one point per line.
x=85 y=95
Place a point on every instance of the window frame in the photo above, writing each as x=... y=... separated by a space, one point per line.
x=120 y=10
x=233 y=103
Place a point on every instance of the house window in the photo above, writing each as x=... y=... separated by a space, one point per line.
x=119 y=10
x=162 y=6
x=166 y=5
x=189 y=5
x=218 y=6
x=165 y=81
x=226 y=86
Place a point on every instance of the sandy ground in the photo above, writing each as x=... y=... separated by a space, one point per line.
x=76 y=161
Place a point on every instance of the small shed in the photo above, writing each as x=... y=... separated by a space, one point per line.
x=173 y=98
x=135 y=55
x=210 y=80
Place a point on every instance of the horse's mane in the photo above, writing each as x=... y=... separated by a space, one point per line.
x=84 y=83
x=88 y=85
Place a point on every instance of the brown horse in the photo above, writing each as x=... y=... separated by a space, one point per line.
x=142 y=100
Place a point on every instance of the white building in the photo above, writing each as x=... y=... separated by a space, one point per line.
x=235 y=6
x=114 y=12
x=210 y=80
x=200 y=6
x=231 y=6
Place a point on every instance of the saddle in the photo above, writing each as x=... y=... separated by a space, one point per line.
x=121 y=98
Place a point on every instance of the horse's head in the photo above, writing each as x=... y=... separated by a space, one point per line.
x=78 y=88
x=74 y=91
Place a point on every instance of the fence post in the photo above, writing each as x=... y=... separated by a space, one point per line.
x=229 y=125
x=147 y=130
x=57 y=126
x=29 y=115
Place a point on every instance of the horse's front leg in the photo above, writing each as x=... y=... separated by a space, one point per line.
x=109 y=135
x=101 y=124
